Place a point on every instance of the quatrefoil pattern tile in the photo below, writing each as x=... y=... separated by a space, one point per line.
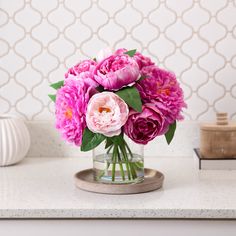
x=40 y=39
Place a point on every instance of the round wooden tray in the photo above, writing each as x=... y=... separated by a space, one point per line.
x=153 y=180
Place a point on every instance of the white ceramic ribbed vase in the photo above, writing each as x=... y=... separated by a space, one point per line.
x=14 y=140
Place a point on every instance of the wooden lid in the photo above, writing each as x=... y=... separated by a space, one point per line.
x=214 y=127
x=221 y=124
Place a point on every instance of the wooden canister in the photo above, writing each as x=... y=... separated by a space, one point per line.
x=218 y=140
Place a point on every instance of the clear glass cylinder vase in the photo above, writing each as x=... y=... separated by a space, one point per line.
x=119 y=163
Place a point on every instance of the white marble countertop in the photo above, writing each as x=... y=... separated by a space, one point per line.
x=44 y=188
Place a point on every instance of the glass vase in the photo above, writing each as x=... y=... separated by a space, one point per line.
x=118 y=163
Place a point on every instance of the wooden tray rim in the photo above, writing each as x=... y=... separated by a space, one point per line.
x=154 y=182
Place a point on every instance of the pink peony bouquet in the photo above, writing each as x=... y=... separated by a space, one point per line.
x=117 y=94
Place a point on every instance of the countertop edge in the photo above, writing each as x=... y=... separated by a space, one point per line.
x=118 y=214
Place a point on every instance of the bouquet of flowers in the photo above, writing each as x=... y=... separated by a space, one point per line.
x=117 y=94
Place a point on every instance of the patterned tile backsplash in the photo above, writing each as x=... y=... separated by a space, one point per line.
x=40 y=39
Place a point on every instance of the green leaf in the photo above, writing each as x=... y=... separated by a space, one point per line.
x=170 y=133
x=57 y=85
x=108 y=143
x=131 y=52
x=100 y=88
x=52 y=96
x=132 y=97
x=91 y=140
x=118 y=140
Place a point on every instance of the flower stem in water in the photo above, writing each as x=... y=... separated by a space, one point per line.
x=114 y=160
x=120 y=163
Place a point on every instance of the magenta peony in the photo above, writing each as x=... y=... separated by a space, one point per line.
x=71 y=106
x=88 y=78
x=106 y=114
x=83 y=71
x=160 y=87
x=141 y=60
x=117 y=71
x=145 y=126
x=83 y=66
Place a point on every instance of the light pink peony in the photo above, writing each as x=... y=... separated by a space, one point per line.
x=83 y=66
x=141 y=60
x=161 y=88
x=117 y=71
x=71 y=106
x=103 y=53
x=106 y=114
x=145 y=126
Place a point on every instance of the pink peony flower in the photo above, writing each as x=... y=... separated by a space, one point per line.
x=83 y=66
x=120 y=51
x=161 y=87
x=145 y=126
x=104 y=53
x=141 y=60
x=83 y=71
x=87 y=77
x=71 y=106
x=116 y=71
x=106 y=114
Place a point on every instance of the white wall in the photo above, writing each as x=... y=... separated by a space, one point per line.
x=40 y=39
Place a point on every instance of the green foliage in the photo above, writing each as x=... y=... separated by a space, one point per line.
x=52 y=97
x=100 y=88
x=91 y=140
x=131 y=52
x=57 y=85
x=108 y=143
x=170 y=133
x=132 y=97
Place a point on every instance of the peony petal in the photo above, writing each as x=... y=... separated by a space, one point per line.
x=116 y=71
x=106 y=114
x=103 y=54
